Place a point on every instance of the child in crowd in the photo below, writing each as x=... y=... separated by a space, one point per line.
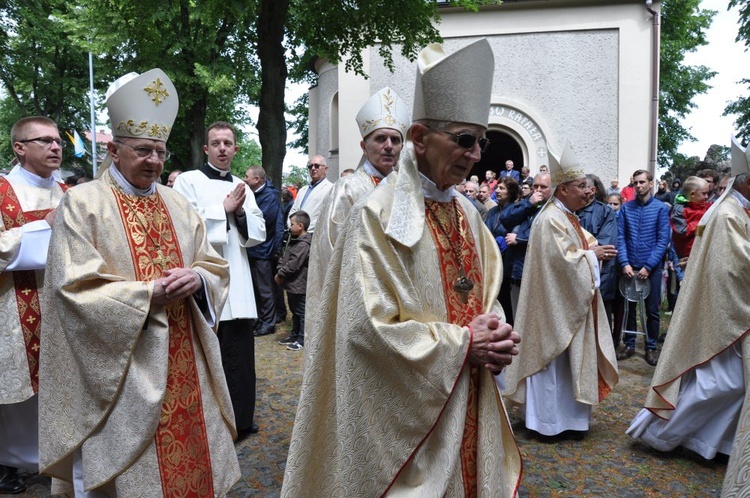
x=689 y=207
x=614 y=201
x=292 y=275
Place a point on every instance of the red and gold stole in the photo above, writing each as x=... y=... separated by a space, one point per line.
x=24 y=282
x=603 y=387
x=181 y=438
x=458 y=237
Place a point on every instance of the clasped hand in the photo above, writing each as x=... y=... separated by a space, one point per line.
x=176 y=284
x=495 y=343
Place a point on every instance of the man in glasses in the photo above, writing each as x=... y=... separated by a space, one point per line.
x=234 y=222
x=310 y=197
x=29 y=195
x=133 y=400
x=398 y=395
x=567 y=363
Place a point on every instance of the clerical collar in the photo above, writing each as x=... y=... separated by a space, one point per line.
x=128 y=187
x=430 y=190
x=371 y=170
x=33 y=179
x=215 y=173
x=740 y=198
x=559 y=204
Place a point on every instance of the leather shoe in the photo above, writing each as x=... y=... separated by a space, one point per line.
x=625 y=353
x=652 y=357
x=245 y=433
x=10 y=483
x=264 y=330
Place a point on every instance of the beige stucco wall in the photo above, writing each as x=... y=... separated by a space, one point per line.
x=570 y=70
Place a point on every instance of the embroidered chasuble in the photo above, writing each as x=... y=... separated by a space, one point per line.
x=558 y=311
x=334 y=212
x=137 y=388
x=390 y=406
x=21 y=203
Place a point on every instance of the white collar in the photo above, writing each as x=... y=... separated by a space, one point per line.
x=32 y=179
x=371 y=170
x=432 y=192
x=128 y=187
x=740 y=198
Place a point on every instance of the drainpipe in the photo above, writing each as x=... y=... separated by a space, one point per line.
x=655 y=45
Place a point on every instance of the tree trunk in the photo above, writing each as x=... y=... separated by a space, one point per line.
x=271 y=121
x=196 y=116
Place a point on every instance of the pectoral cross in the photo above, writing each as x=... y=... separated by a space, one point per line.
x=463 y=286
x=161 y=260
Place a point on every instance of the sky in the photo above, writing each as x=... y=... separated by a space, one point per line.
x=732 y=63
x=722 y=54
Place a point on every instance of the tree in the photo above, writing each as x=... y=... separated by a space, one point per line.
x=40 y=72
x=741 y=106
x=297 y=176
x=683 y=30
x=203 y=46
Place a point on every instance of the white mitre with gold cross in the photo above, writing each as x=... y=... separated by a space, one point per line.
x=143 y=105
x=384 y=109
x=565 y=169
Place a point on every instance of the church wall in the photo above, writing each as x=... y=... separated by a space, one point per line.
x=578 y=72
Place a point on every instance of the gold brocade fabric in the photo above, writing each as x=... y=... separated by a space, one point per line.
x=334 y=211
x=108 y=354
x=386 y=384
x=181 y=442
x=20 y=309
x=712 y=311
x=556 y=312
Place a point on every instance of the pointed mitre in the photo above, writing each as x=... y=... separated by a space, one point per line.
x=455 y=87
x=740 y=158
x=565 y=169
x=385 y=109
x=142 y=105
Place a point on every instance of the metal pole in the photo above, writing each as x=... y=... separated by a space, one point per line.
x=93 y=114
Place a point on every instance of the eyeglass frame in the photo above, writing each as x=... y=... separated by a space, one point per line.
x=44 y=143
x=316 y=166
x=458 y=137
x=167 y=153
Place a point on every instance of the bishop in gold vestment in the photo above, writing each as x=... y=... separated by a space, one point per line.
x=133 y=400
x=394 y=401
x=567 y=360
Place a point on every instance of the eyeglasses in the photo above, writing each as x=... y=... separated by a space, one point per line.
x=162 y=154
x=466 y=140
x=45 y=142
x=315 y=165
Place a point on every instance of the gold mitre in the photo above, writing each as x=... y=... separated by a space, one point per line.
x=740 y=158
x=565 y=169
x=385 y=109
x=455 y=87
x=142 y=105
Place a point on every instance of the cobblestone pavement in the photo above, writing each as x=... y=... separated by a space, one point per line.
x=606 y=463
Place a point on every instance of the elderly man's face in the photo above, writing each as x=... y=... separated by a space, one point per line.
x=172 y=177
x=508 y=165
x=252 y=180
x=471 y=191
x=317 y=168
x=382 y=148
x=129 y=156
x=439 y=156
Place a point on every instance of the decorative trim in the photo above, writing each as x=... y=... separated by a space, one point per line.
x=157 y=91
x=153 y=130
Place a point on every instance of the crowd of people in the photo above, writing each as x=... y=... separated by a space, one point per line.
x=422 y=299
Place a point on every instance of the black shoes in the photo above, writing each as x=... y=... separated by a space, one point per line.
x=625 y=353
x=264 y=330
x=10 y=483
x=652 y=357
x=287 y=341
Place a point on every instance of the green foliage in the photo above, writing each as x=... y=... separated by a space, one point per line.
x=297 y=176
x=40 y=71
x=741 y=106
x=683 y=30
x=248 y=155
x=300 y=124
